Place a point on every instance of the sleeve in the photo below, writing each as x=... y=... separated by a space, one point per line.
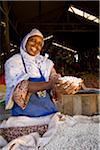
x=53 y=72
x=14 y=74
x=49 y=67
x=21 y=94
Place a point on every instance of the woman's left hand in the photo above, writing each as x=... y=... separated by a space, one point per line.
x=68 y=87
x=72 y=88
x=65 y=88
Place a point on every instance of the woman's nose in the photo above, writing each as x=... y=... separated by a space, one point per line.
x=35 y=44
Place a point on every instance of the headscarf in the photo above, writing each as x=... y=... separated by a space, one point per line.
x=15 y=70
x=32 y=33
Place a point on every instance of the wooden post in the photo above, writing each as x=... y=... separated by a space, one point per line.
x=98 y=103
x=89 y=105
x=6 y=32
x=77 y=105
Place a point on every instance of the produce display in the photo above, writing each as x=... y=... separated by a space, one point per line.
x=71 y=79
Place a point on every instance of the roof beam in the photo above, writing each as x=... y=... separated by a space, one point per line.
x=63 y=27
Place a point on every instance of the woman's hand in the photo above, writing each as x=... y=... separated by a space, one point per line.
x=68 y=87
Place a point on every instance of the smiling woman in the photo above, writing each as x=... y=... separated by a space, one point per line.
x=34 y=45
x=29 y=79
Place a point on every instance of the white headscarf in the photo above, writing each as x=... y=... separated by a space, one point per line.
x=33 y=63
x=32 y=33
x=15 y=70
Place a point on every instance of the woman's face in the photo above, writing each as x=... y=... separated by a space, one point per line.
x=34 y=45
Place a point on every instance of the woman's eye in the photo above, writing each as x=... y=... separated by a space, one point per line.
x=35 y=42
x=32 y=41
x=40 y=44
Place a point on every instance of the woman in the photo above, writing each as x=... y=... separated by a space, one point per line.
x=30 y=72
x=29 y=79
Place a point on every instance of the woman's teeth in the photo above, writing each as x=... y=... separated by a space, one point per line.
x=34 y=49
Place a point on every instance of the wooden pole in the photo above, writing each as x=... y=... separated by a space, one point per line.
x=6 y=31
